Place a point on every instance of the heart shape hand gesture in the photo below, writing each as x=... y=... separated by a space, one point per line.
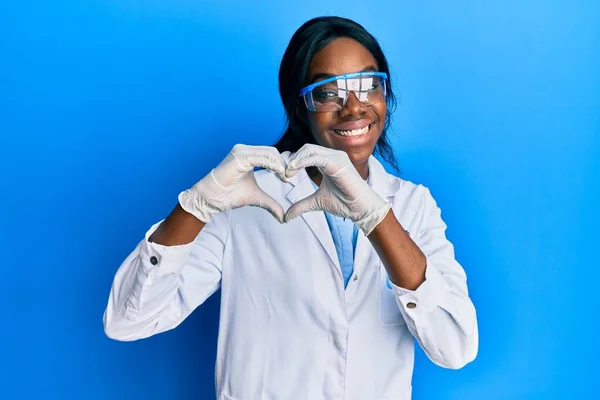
x=343 y=192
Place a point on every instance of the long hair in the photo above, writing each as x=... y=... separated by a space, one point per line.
x=309 y=39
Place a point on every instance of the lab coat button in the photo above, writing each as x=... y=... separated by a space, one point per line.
x=355 y=277
x=153 y=260
x=411 y=305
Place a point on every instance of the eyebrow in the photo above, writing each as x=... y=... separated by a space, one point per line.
x=323 y=75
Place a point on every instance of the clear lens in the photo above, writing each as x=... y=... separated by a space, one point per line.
x=332 y=96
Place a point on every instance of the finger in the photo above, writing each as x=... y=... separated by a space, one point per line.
x=306 y=150
x=269 y=160
x=326 y=159
x=266 y=202
x=310 y=203
x=310 y=160
x=279 y=158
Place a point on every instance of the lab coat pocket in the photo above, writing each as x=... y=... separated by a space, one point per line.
x=389 y=312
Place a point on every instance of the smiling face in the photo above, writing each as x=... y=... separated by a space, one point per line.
x=355 y=128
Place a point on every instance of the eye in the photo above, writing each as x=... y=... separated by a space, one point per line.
x=323 y=94
x=374 y=84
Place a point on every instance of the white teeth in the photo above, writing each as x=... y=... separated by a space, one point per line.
x=355 y=132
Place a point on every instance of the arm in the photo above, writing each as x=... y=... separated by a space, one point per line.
x=430 y=287
x=404 y=261
x=148 y=295
x=178 y=229
x=179 y=262
x=438 y=312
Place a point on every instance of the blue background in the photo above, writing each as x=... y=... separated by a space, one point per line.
x=103 y=121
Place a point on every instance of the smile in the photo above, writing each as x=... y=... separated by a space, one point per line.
x=354 y=132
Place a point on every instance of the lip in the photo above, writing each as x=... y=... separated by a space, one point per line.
x=343 y=142
x=352 y=125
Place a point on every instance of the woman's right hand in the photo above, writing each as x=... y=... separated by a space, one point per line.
x=232 y=185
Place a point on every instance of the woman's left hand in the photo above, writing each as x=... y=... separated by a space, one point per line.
x=343 y=192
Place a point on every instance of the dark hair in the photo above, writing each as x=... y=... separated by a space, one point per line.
x=309 y=39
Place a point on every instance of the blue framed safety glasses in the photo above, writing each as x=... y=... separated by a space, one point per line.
x=331 y=94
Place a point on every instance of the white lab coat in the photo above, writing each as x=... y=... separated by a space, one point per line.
x=288 y=328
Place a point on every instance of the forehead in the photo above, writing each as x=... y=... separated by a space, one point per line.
x=341 y=56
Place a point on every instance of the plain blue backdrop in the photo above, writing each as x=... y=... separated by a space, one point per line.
x=103 y=121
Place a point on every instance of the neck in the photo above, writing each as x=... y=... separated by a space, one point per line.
x=363 y=169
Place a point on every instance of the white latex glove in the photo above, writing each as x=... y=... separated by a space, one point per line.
x=343 y=192
x=232 y=184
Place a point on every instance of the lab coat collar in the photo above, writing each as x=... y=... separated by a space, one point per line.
x=302 y=188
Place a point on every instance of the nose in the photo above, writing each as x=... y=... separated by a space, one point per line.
x=353 y=106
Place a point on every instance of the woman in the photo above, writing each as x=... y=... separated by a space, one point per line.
x=323 y=300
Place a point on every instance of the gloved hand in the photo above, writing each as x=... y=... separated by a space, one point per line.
x=343 y=192
x=231 y=184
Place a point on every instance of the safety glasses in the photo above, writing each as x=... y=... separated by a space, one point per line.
x=331 y=94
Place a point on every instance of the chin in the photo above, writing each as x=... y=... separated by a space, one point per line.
x=358 y=158
x=358 y=152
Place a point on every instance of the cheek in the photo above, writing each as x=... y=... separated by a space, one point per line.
x=381 y=116
x=319 y=122
x=381 y=111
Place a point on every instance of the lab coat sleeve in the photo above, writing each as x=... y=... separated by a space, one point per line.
x=439 y=313
x=157 y=286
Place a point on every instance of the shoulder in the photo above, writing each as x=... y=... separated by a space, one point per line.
x=412 y=198
x=395 y=189
x=406 y=190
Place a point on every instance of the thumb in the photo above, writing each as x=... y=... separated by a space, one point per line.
x=310 y=203
x=266 y=202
